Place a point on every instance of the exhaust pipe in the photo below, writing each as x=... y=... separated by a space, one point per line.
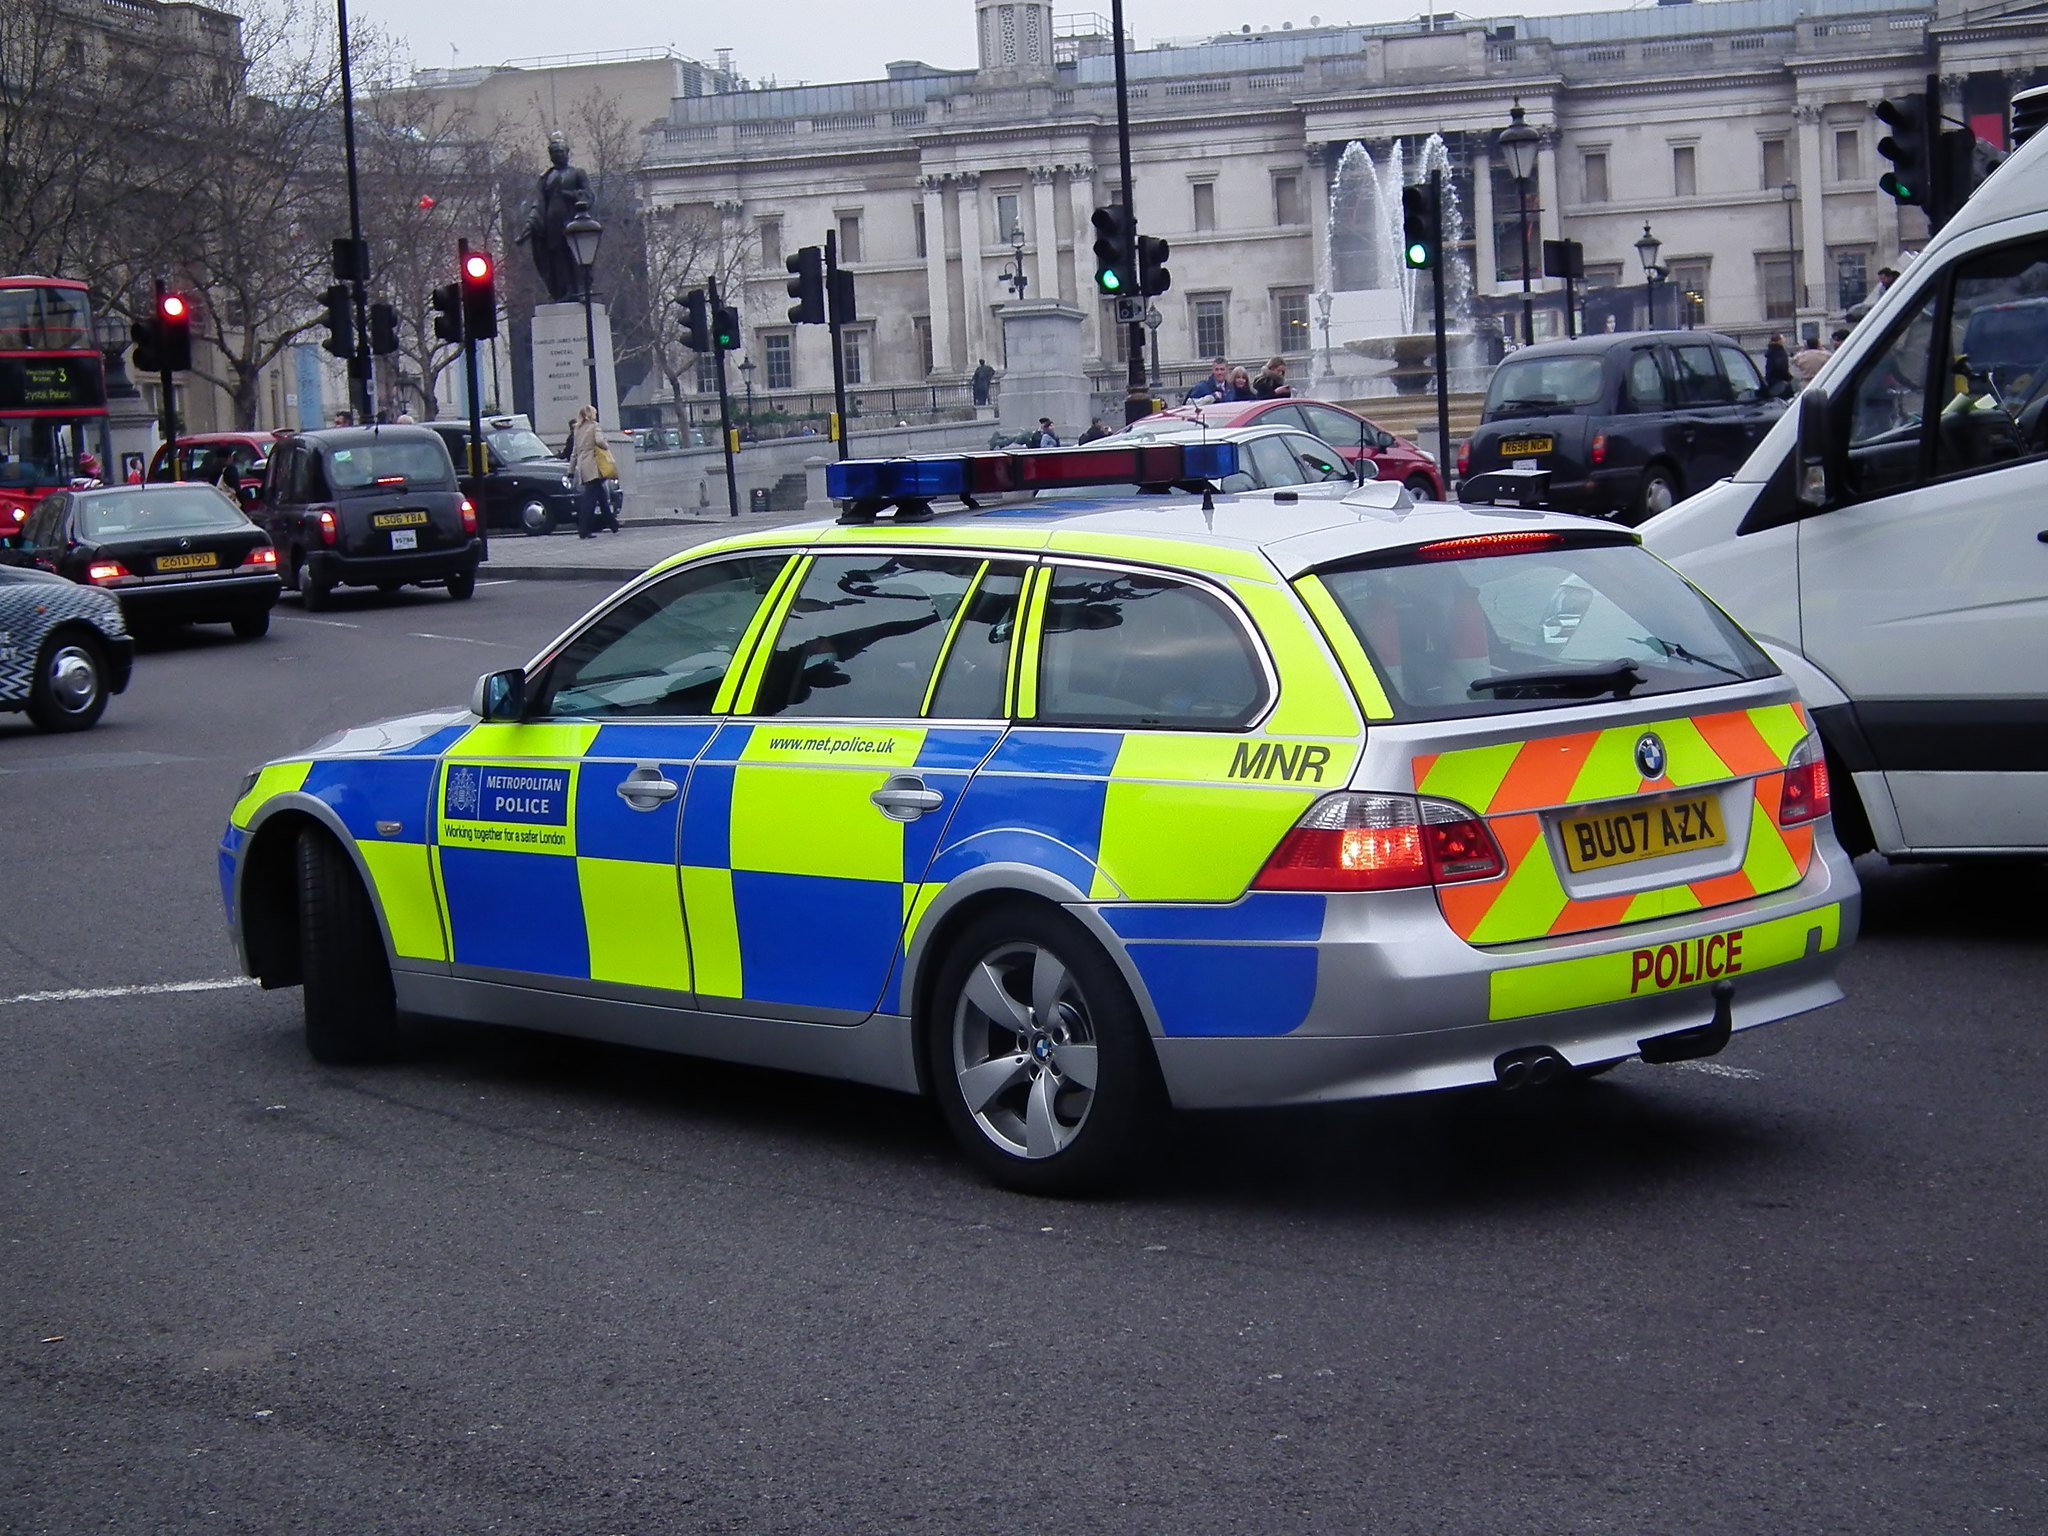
x=1530 y=1067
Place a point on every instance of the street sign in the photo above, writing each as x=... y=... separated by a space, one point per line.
x=1130 y=311
x=1153 y=319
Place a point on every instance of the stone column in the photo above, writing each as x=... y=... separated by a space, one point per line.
x=1080 y=286
x=1813 y=234
x=936 y=288
x=1315 y=203
x=973 y=283
x=1045 y=235
x=1549 y=195
x=1485 y=259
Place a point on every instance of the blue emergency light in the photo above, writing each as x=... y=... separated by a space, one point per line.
x=895 y=479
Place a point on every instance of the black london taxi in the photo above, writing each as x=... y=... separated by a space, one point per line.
x=525 y=485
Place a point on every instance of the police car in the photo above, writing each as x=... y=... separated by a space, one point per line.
x=64 y=649
x=1067 y=811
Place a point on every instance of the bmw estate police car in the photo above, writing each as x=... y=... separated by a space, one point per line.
x=1065 y=811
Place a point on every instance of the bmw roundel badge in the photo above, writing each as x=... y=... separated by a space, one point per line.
x=1650 y=758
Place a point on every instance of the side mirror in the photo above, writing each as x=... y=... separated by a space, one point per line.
x=499 y=695
x=1365 y=470
x=1812 y=463
x=1386 y=441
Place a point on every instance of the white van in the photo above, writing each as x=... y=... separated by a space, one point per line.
x=1888 y=540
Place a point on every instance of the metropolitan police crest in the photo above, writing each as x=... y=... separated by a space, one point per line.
x=465 y=791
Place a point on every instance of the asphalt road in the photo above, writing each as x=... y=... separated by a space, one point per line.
x=529 y=1286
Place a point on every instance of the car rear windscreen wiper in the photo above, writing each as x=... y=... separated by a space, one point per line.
x=1677 y=652
x=1523 y=406
x=1619 y=678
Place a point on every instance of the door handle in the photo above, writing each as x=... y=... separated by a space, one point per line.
x=646 y=789
x=903 y=797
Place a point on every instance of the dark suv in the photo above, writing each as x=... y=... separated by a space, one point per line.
x=1624 y=424
x=525 y=484
x=368 y=507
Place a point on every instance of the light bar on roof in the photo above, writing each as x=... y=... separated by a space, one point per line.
x=990 y=474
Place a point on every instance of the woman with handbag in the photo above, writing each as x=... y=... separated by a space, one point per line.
x=590 y=458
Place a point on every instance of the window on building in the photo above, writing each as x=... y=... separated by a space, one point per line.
x=1212 y=324
x=1685 y=177
x=775 y=347
x=1287 y=199
x=707 y=373
x=1848 y=154
x=1774 y=277
x=1603 y=274
x=1777 y=164
x=1205 y=205
x=1852 y=277
x=1689 y=280
x=1290 y=321
x=921 y=330
x=855 y=343
x=917 y=234
x=1007 y=216
x=769 y=233
x=1594 y=167
x=849 y=239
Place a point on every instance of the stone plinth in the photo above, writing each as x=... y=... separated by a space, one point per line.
x=561 y=374
x=1042 y=373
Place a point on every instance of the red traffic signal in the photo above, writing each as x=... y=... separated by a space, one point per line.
x=476 y=266
x=479 y=296
x=172 y=307
x=174 y=332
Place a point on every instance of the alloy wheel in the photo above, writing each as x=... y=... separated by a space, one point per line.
x=1024 y=1051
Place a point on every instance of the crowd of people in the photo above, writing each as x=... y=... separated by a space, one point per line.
x=1226 y=383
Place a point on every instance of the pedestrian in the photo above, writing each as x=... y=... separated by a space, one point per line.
x=405 y=419
x=1240 y=386
x=591 y=462
x=1272 y=384
x=1214 y=387
x=984 y=376
x=1806 y=362
x=1777 y=368
x=1046 y=437
x=1095 y=431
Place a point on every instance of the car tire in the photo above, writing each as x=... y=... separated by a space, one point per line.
x=1025 y=1009
x=350 y=1009
x=313 y=592
x=1419 y=487
x=1658 y=492
x=462 y=586
x=536 y=527
x=69 y=690
x=251 y=626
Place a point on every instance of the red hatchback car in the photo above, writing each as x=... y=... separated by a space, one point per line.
x=1346 y=431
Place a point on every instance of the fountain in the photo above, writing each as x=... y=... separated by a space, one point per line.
x=1371 y=303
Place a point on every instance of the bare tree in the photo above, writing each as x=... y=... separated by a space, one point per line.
x=686 y=245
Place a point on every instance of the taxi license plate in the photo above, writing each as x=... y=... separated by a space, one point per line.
x=199 y=560
x=1649 y=830
x=1523 y=447
x=405 y=538
x=398 y=519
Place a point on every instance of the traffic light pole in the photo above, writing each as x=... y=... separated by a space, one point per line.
x=167 y=384
x=1134 y=341
x=478 y=460
x=359 y=364
x=732 y=481
x=834 y=322
x=1443 y=382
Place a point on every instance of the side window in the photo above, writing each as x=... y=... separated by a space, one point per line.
x=1885 y=402
x=1319 y=461
x=1698 y=381
x=970 y=684
x=1272 y=464
x=863 y=636
x=662 y=652
x=44 y=523
x=1283 y=416
x=1335 y=428
x=1996 y=386
x=1646 y=382
x=1743 y=378
x=1123 y=649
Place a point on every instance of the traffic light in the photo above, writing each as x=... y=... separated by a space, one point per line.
x=1419 y=230
x=447 y=303
x=696 y=320
x=1113 y=232
x=844 y=311
x=1965 y=161
x=174 y=333
x=340 y=321
x=726 y=331
x=1907 y=146
x=1153 y=278
x=807 y=286
x=147 y=334
x=383 y=330
x=479 y=297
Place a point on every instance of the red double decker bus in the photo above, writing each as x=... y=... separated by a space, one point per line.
x=53 y=392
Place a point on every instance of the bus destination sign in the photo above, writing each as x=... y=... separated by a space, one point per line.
x=50 y=384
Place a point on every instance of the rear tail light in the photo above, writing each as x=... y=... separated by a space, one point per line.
x=1368 y=842
x=262 y=558
x=1464 y=459
x=468 y=516
x=1479 y=545
x=1599 y=453
x=1806 y=795
x=329 y=529
x=105 y=572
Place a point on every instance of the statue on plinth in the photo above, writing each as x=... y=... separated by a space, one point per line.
x=564 y=192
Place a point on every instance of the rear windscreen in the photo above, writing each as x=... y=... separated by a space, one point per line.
x=171 y=509
x=1563 y=621
x=419 y=462
x=1544 y=386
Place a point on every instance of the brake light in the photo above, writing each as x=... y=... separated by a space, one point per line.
x=1369 y=842
x=106 y=572
x=1464 y=459
x=329 y=529
x=391 y=480
x=468 y=516
x=263 y=557
x=1807 y=795
x=1481 y=545
x=1599 y=452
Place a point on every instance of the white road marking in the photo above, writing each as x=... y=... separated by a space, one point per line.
x=461 y=640
x=1715 y=1069
x=142 y=989
x=502 y=581
x=330 y=623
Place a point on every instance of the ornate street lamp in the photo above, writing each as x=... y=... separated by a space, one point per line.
x=583 y=233
x=1014 y=276
x=1790 y=193
x=747 y=376
x=1518 y=145
x=1648 y=249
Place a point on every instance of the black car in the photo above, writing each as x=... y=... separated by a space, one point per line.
x=172 y=553
x=1623 y=424
x=63 y=648
x=369 y=507
x=525 y=484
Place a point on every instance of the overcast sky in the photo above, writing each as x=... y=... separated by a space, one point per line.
x=811 y=40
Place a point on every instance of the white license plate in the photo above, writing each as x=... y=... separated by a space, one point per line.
x=405 y=538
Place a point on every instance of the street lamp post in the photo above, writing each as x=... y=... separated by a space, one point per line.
x=1518 y=144
x=1647 y=251
x=1790 y=193
x=1323 y=302
x=747 y=377
x=1015 y=275
x=584 y=233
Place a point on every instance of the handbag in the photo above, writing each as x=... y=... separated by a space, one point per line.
x=607 y=466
